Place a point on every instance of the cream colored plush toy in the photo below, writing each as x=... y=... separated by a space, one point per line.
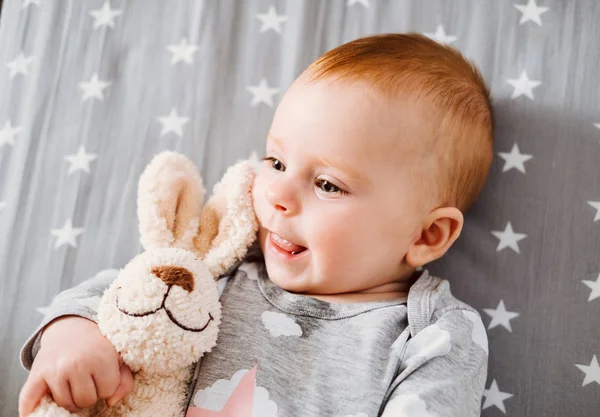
x=162 y=312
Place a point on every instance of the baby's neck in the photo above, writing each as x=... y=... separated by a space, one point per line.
x=389 y=291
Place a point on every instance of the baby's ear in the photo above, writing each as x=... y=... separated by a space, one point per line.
x=228 y=224
x=443 y=226
x=170 y=196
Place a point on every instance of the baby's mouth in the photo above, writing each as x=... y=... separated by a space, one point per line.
x=286 y=245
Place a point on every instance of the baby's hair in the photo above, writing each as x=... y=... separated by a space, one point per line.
x=456 y=94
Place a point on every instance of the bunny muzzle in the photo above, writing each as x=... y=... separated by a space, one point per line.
x=162 y=311
x=170 y=275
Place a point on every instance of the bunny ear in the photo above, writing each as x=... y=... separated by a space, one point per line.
x=228 y=224
x=170 y=196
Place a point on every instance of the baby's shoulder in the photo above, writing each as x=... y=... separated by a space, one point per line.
x=431 y=302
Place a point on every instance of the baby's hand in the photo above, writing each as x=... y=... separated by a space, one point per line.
x=77 y=365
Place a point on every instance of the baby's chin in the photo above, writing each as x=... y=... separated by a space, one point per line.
x=285 y=279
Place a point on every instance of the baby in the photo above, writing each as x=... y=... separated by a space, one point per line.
x=374 y=154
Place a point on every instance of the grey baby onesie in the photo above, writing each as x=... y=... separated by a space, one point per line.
x=422 y=356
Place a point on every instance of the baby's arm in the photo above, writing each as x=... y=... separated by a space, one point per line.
x=74 y=362
x=81 y=301
x=444 y=369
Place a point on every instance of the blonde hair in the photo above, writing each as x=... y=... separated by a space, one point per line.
x=414 y=64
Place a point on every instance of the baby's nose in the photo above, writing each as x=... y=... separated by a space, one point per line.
x=175 y=275
x=282 y=197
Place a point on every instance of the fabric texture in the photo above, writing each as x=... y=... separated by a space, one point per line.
x=88 y=94
x=425 y=355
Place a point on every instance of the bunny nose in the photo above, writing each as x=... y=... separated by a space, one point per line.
x=175 y=275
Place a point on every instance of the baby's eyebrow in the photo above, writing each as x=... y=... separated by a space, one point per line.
x=277 y=141
x=347 y=169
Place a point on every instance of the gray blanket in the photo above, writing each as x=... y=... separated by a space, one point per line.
x=89 y=93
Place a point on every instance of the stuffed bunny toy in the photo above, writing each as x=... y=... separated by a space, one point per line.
x=162 y=312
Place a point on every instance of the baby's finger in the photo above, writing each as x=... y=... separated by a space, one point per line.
x=125 y=386
x=83 y=390
x=61 y=393
x=106 y=380
x=32 y=392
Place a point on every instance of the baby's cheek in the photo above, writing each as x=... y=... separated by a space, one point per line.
x=257 y=192
x=336 y=234
x=261 y=209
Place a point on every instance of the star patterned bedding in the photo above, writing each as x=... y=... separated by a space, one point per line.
x=90 y=90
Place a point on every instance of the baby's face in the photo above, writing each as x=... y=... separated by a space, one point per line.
x=338 y=197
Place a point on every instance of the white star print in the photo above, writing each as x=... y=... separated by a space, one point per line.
x=271 y=20
x=592 y=372
x=595 y=286
x=493 y=396
x=94 y=88
x=523 y=86
x=365 y=3
x=594 y=204
x=27 y=3
x=105 y=16
x=20 y=65
x=500 y=316
x=173 y=123
x=262 y=93
x=66 y=235
x=80 y=161
x=508 y=238
x=531 y=12
x=182 y=52
x=8 y=133
x=440 y=36
x=514 y=159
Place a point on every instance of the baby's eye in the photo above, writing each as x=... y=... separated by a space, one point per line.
x=329 y=187
x=275 y=163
